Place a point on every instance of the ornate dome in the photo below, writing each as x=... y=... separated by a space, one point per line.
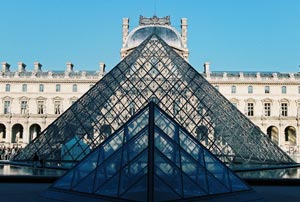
x=167 y=33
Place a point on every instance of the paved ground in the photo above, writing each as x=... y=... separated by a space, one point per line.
x=279 y=193
x=22 y=192
x=30 y=192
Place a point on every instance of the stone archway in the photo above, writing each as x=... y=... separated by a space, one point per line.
x=2 y=131
x=273 y=134
x=290 y=135
x=17 y=133
x=34 y=131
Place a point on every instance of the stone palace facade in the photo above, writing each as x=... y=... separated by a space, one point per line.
x=32 y=98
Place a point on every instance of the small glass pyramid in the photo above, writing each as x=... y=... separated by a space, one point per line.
x=154 y=71
x=150 y=158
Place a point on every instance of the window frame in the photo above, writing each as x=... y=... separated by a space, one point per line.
x=75 y=88
x=267 y=109
x=250 y=89
x=40 y=107
x=267 y=89
x=250 y=109
x=41 y=88
x=6 y=107
x=284 y=109
x=283 y=89
x=7 y=87
x=57 y=88
x=24 y=104
x=233 y=89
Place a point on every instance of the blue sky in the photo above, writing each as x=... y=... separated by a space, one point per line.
x=234 y=35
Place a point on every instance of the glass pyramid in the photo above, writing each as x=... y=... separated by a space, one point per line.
x=154 y=71
x=150 y=158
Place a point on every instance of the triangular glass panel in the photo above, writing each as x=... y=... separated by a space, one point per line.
x=86 y=184
x=163 y=192
x=152 y=165
x=137 y=191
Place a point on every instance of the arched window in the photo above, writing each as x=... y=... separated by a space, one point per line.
x=2 y=131
x=233 y=89
x=24 y=88
x=283 y=89
x=74 y=89
x=272 y=132
x=217 y=87
x=290 y=135
x=250 y=89
x=7 y=87
x=17 y=133
x=34 y=131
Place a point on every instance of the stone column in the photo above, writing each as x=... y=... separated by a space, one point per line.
x=125 y=30
x=5 y=67
x=21 y=67
x=8 y=131
x=184 y=26
x=102 y=69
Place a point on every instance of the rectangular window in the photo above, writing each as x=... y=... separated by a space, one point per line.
x=233 y=89
x=24 y=88
x=7 y=87
x=250 y=89
x=283 y=89
x=267 y=89
x=57 y=88
x=74 y=88
x=284 y=109
x=6 y=107
x=41 y=88
x=250 y=109
x=41 y=107
x=267 y=107
x=57 y=107
x=23 y=107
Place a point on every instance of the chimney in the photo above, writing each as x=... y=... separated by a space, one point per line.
x=102 y=68
x=37 y=67
x=21 y=67
x=206 y=68
x=125 y=30
x=5 y=67
x=184 y=26
x=69 y=67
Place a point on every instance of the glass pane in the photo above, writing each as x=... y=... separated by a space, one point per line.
x=138 y=192
x=167 y=172
x=137 y=124
x=133 y=172
x=134 y=147
x=163 y=192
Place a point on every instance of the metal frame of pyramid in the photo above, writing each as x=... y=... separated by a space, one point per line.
x=150 y=158
x=154 y=71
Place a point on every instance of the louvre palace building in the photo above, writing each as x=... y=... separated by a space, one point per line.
x=31 y=99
